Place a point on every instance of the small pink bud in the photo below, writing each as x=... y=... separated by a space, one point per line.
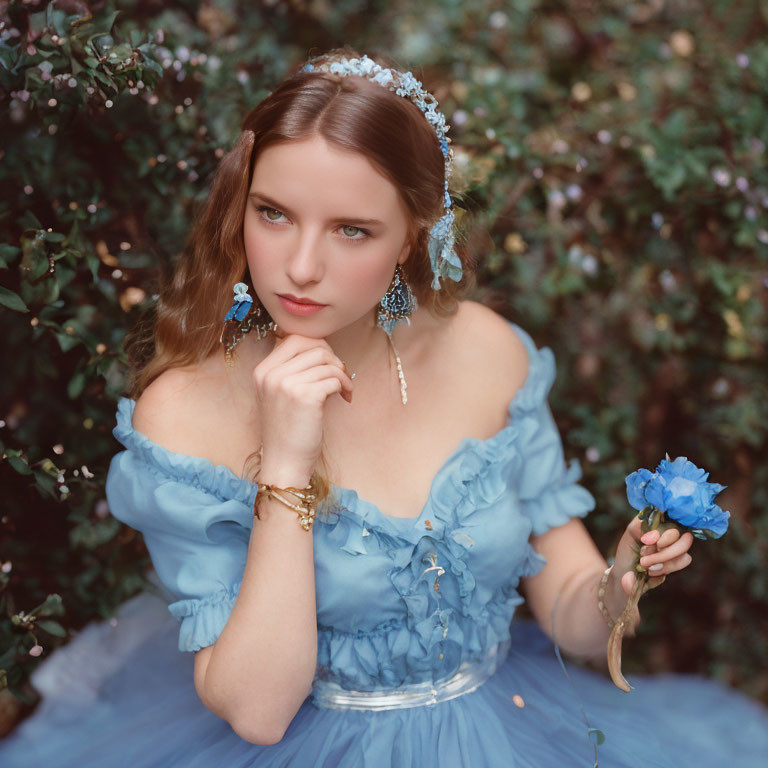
x=35 y=650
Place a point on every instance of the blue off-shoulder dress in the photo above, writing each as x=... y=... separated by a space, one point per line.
x=419 y=660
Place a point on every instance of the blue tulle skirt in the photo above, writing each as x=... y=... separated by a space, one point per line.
x=121 y=694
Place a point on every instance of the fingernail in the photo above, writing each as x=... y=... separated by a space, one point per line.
x=656 y=567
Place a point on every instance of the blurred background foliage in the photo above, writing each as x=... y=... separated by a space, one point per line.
x=614 y=192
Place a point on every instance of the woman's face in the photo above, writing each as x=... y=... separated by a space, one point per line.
x=322 y=223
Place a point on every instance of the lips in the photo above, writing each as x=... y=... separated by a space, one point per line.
x=299 y=300
x=301 y=310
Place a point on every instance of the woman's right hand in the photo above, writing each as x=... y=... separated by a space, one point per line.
x=292 y=385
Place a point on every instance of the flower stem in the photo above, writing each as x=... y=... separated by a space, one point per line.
x=617 y=633
x=652 y=518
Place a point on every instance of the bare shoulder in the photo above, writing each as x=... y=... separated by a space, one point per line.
x=177 y=411
x=164 y=410
x=488 y=343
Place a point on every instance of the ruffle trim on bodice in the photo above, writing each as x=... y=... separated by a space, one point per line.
x=196 y=471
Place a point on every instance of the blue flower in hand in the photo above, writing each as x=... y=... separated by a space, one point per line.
x=674 y=501
x=680 y=489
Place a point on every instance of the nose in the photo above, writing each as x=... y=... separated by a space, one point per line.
x=306 y=264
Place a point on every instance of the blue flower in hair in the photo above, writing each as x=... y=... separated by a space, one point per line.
x=367 y=65
x=383 y=78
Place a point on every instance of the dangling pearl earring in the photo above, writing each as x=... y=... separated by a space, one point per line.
x=397 y=304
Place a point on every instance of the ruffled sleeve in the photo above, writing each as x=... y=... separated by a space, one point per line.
x=196 y=522
x=549 y=491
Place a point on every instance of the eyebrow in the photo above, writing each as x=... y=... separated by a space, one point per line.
x=339 y=220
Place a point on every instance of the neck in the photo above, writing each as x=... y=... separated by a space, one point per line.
x=359 y=344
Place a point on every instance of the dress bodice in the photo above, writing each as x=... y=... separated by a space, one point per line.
x=399 y=600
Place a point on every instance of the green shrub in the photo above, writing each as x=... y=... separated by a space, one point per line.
x=611 y=159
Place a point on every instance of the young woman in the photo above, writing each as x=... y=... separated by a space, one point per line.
x=348 y=477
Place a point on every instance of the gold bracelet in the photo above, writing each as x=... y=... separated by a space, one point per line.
x=307 y=500
x=601 y=594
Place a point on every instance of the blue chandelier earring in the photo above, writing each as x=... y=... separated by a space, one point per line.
x=397 y=304
x=243 y=316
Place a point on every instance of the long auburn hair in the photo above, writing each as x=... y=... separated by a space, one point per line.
x=184 y=325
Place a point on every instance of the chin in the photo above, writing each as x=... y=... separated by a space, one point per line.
x=309 y=326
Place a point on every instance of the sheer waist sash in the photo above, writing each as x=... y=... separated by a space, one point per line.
x=470 y=675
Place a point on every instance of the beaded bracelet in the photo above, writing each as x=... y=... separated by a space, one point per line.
x=307 y=500
x=601 y=594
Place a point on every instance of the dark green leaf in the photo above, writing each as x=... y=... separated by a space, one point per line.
x=52 y=627
x=11 y=300
x=8 y=254
x=19 y=465
x=596 y=735
x=53 y=605
x=76 y=385
x=46 y=485
x=44 y=292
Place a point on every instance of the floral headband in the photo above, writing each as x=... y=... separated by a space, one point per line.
x=442 y=252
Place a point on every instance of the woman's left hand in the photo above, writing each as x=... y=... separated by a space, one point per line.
x=667 y=547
